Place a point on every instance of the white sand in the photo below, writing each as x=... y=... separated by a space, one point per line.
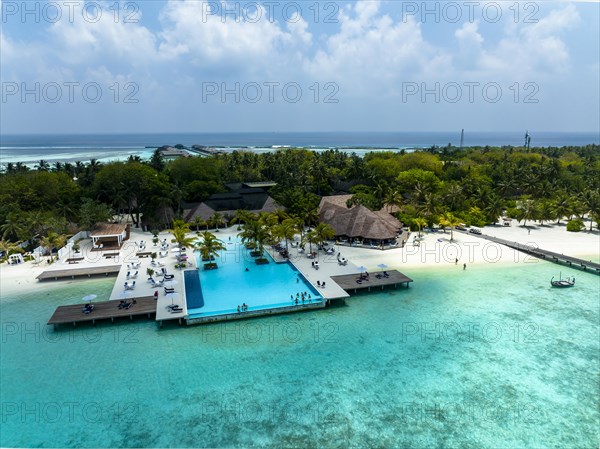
x=435 y=250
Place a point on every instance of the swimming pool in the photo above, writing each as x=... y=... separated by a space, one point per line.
x=240 y=280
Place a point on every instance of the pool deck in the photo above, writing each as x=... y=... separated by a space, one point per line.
x=328 y=267
x=143 y=288
x=339 y=280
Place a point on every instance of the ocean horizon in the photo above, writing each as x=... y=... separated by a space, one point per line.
x=105 y=147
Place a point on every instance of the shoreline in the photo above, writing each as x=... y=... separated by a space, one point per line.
x=435 y=251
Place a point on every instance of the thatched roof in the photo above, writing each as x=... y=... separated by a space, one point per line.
x=108 y=229
x=357 y=221
x=334 y=200
x=204 y=211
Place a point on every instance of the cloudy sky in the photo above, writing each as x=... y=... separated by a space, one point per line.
x=196 y=66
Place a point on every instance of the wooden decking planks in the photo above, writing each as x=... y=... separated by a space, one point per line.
x=573 y=262
x=102 y=311
x=348 y=281
x=76 y=272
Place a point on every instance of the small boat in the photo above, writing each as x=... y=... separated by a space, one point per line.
x=569 y=282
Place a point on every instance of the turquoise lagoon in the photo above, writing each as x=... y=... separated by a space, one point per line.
x=485 y=358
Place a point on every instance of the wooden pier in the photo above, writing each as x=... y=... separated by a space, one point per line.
x=572 y=262
x=348 y=281
x=77 y=272
x=107 y=310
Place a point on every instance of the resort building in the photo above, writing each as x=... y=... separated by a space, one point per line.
x=252 y=197
x=359 y=224
x=173 y=153
x=109 y=235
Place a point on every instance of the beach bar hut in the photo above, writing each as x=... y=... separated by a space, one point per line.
x=109 y=235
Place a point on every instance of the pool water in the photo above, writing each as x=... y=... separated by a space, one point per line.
x=240 y=280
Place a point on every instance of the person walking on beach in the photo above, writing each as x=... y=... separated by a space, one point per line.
x=456 y=261
x=529 y=231
x=464 y=266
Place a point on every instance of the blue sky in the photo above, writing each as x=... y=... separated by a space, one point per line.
x=183 y=66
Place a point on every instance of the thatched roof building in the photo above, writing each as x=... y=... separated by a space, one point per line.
x=251 y=199
x=357 y=221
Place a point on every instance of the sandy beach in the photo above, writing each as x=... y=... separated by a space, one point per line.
x=436 y=250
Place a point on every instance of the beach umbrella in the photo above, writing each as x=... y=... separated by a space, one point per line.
x=173 y=295
x=175 y=250
x=362 y=269
x=126 y=294
x=89 y=298
x=382 y=265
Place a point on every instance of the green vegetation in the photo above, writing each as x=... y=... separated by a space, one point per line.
x=475 y=185
x=209 y=248
x=575 y=225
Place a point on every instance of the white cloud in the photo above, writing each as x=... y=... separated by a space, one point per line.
x=371 y=49
x=533 y=49
x=80 y=42
x=206 y=39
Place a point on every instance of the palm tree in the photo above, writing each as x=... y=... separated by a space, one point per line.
x=217 y=219
x=545 y=211
x=310 y=237
x=285 y=230
x=495 y=208
x=420 y=222
x=256 y=233
x=242 y=216
x=210 y=246
x=42 y=165
x=198 y=222
x=94 y=165
x=393 y=198
x=179 y=231
x=451 y=221
x=590 y=201
x=562 y=206
x=13 y=226
x=53 y=240
x=323 y=232
x=7 y=247
x=529 y=211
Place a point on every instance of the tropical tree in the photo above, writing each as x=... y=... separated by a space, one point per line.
x=242 y=216
x=561 y=206
x=323 y=232
x=451 y=221
x=310 y=237
x=209 y=246
x=217 y=220
x=12 y=227
x=420 y=222
x=7 y=247
x=42 y=165
x=53 y=240
x=495 y=208
x=590 y=201
x=198 y=222
x=180 y=231
x=529 y=211
x=392 y=199
x=255 y=232
x=285 y=230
